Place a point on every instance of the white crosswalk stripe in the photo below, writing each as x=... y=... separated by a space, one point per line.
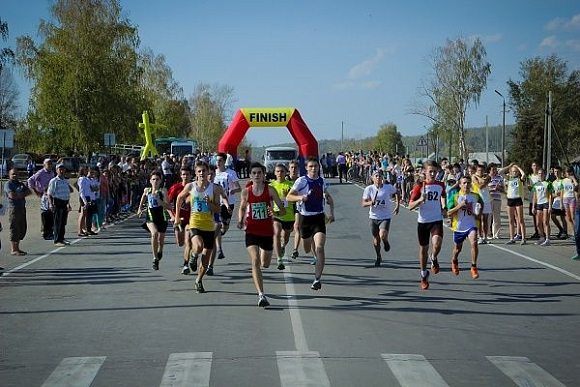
x=523 y=372
x=187 y=369
x=301 y=369
x=413 y=370
x=75 y=372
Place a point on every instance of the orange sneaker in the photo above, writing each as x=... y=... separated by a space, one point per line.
x=474 y=272
x=425 y=282
x=455 y=267
x=434 y=266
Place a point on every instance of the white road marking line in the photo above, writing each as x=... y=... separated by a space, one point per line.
x=75 y=372
x=413 y=370
x=297 y=327
x=187 y=369
x=523 y=372
x=301 y=369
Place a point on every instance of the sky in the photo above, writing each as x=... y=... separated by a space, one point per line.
x=343 y=64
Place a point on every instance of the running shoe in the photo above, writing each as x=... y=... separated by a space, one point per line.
x=540 y=241
x=281 y=265
x=559 y=235
x=518 y=237
x=199 y=287
x=316 y=285
x=434 y=265
x=159 y=255
x=185 y=270
x=378 y=261
x=294 y=254
x=60 y=244
x=455 y=267
x=474 y=272
x=209 y=270
x=535 y=236
x=523 y=242
x=220 y=255
x=155 y=264
x=66 y=242
x=564 y=236
x=511 y=242
x=479 y=241
x=263 y=301
x=193 y=263
x=576 y=257
x=546 y=243
x=313 y=262
x=425 y=282
x=387 y=246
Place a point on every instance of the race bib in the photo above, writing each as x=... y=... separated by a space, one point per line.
x=200 y=205
x=259 y=211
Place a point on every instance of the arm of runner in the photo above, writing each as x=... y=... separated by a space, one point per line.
x=453 y=210
x=417 y=199
x=140 y=208
x=330 y=203
x=236 y=188
x=214 y=206
x=293 y=196
x=274 y=195
x=165 y=201
x=366 y=199
x=222 y=194
x=242 y=209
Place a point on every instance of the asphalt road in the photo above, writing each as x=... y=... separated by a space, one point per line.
x=94 y=313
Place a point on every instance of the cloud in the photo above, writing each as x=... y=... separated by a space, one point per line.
x=522 y=47
x=551 y=42
x=561 y=23
x=486 y=38
x=350 y=85
x=370 y=85
x=573 y=45
x=344 y=86
x=366 y=67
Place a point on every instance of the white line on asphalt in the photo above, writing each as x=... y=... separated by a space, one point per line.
x=558 y=269
x=187 y=369
x=297 y=327
x=413 y=370
x=301 y=369
x=523 y=372
x=75 y=372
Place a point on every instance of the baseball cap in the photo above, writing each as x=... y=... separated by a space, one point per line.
x=378 y=172
x=59 y=165
x=47 y=161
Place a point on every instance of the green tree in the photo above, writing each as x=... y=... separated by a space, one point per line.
x=388 y=140
x=6 y=53
x=528 y=99
x=85 y=77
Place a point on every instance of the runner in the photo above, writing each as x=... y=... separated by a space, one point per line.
x=283 y=225
x=557 y=205
x=532 y=179
x=294 y=173
x=204 y=201
x=255 y=213
x=430 y=198
x=569 y=198
x=542 y=192
x=480 y=186
x=229 y=181
x=515 y=205
x=156 y=217
x=464 y=209
x=216 y=218
x=378 y=198
x=181 y=217
x=310 y=191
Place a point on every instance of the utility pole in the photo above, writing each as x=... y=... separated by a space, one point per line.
x=486 y=141
x=549 y=136
x=502 y=132
x=342 y=135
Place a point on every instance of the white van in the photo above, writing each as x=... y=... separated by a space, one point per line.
x=278 y=155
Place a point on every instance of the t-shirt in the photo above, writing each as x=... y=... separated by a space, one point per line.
x=568 y=187
x=464 y=219
x=282 y=189
x=542 y=190
x=227 y=179
x=16 y=187
x=496 y=180
x=315 y=189
x=381 y=207
x=557 y=187
x=430 y=210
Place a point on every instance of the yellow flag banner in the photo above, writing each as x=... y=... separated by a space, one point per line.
x=268 y=117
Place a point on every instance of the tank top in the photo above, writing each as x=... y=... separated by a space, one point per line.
x=258 y=220
x=201 y=217
x=515 y=188
x=155 y=208
x=282 y=189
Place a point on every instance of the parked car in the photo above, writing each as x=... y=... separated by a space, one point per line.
x=21 y=161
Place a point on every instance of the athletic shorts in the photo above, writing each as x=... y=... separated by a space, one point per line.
x=379 y=224
x=208 y=237
x=515 y=202
x=426 y=230
x=460 y=236
x=558 y=212
x=286 y=225
x=225 y=214
x=570 y=203
x=311 y=225
x=542 y=207
x=263 y=242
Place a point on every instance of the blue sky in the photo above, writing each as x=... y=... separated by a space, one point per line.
x=360 y=62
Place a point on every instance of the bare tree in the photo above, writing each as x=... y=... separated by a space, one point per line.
x=8 y=98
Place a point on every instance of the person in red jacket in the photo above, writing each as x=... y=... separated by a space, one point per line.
x=256 y=214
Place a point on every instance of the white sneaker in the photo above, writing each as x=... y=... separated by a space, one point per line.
x=546 y=243
x=540 y=242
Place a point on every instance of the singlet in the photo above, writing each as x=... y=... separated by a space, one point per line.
x=515 y=188
x=314 y=188
x=258 y=220
x=381 y=209
x=155 y=208
x=201 y=217
x=568 y=187
x=542 y=189
x=430 y=211
x=226 y=179
x=282 y=189
x=464 y=219
x=558 y=187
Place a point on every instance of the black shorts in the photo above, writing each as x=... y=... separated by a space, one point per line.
x=286 y=225
x=225 y=214
x=426 y=230
x=515 y=202
x=542 y=207
x=208 y=237
x=311 y=225
x=263 y=242
x=558 y=212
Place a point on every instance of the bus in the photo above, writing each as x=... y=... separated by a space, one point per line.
x=164 y=145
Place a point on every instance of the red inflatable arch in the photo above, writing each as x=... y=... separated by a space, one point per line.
x=269 y=117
